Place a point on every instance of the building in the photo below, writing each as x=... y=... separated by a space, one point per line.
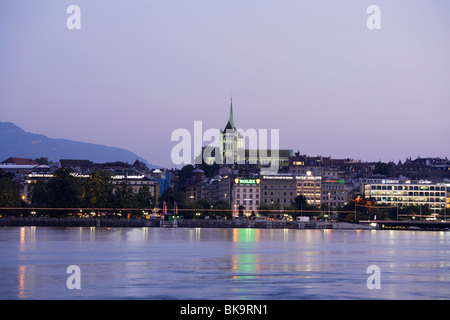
x=245 y=194
x=335 y=193
x=20 y=161
x=278 y=191
x=420 y=192
x=78 y=165
x=232 y=149
x=21 y=167
x=195 y=186
x=310 y=186
x=264 y=158
x=448 y=198
x=164 y=178
x=231 y=140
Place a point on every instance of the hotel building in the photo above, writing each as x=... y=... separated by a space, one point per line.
x=245 y=192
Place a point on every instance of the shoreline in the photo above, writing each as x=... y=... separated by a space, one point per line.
x=183 y=223
x=217 y=223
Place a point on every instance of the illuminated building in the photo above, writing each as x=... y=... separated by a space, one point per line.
x=421 y=192
x=310 y=186
x=245 y=192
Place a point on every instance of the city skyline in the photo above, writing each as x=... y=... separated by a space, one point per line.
x=137 y=71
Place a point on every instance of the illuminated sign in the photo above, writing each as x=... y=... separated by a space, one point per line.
x=334 y=181
x=278 y=177
x=247 y=181
x=40 y=175
x=121 y=176
x=390 y=181
x=308 y=177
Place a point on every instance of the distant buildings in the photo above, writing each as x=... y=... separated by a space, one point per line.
x=136 y=175
x=246 y=185
x=19 y=166
x=323 y=181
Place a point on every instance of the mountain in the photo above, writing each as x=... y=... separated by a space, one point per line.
x=15 y=142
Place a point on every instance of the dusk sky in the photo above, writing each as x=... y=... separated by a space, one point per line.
x=138 y=70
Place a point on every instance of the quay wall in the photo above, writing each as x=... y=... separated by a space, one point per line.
x=183 y=223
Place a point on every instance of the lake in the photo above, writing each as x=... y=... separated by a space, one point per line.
x=223 y=264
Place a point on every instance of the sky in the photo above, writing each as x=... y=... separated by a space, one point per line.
x=138 y=70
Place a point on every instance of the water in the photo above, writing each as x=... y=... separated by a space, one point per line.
x=222 y=264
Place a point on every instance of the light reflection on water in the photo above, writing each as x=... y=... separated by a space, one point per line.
x=153 y=263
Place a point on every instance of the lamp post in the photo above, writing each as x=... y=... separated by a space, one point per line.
x=329 y=204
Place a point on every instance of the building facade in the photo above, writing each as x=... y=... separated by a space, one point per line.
x=278 y=191
x=310 y=186
x=421 y=192
x=335 y=193
x=246 y=193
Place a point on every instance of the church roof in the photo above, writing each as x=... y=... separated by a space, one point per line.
x=228 y=127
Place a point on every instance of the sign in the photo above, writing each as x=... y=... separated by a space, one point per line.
x=334 y=181
x=389 y=181
x=247 y=181
x=278 y=177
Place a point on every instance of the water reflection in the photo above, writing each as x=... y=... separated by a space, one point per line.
x=22 y=270
x=223 y=263
x=245 y=264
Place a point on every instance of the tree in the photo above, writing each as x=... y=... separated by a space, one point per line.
x=199 y=204
x=39 y=194
x=99 y=190
x=145 y=198
x=64 y=190
x=125 y=197
x=43 y=160
x=223 y=209
x=170 y=196
x=185 y=173
x=9 y=191
x=301 y=202
x=417 y=210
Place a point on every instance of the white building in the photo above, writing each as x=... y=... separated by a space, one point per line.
x=246 y=192
x=395 y=193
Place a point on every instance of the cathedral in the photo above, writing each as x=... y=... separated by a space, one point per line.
x=231 y=141
x=232 y=149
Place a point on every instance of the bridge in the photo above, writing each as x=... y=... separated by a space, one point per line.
x=409 y=225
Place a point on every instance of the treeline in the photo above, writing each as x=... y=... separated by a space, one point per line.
x=64 y=190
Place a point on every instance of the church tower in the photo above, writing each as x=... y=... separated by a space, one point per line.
x=231 y=140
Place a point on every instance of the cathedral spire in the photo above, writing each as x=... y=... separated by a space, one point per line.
x=230 y=120
x=230 y=123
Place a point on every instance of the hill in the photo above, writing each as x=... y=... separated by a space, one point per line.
x=15 y=142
